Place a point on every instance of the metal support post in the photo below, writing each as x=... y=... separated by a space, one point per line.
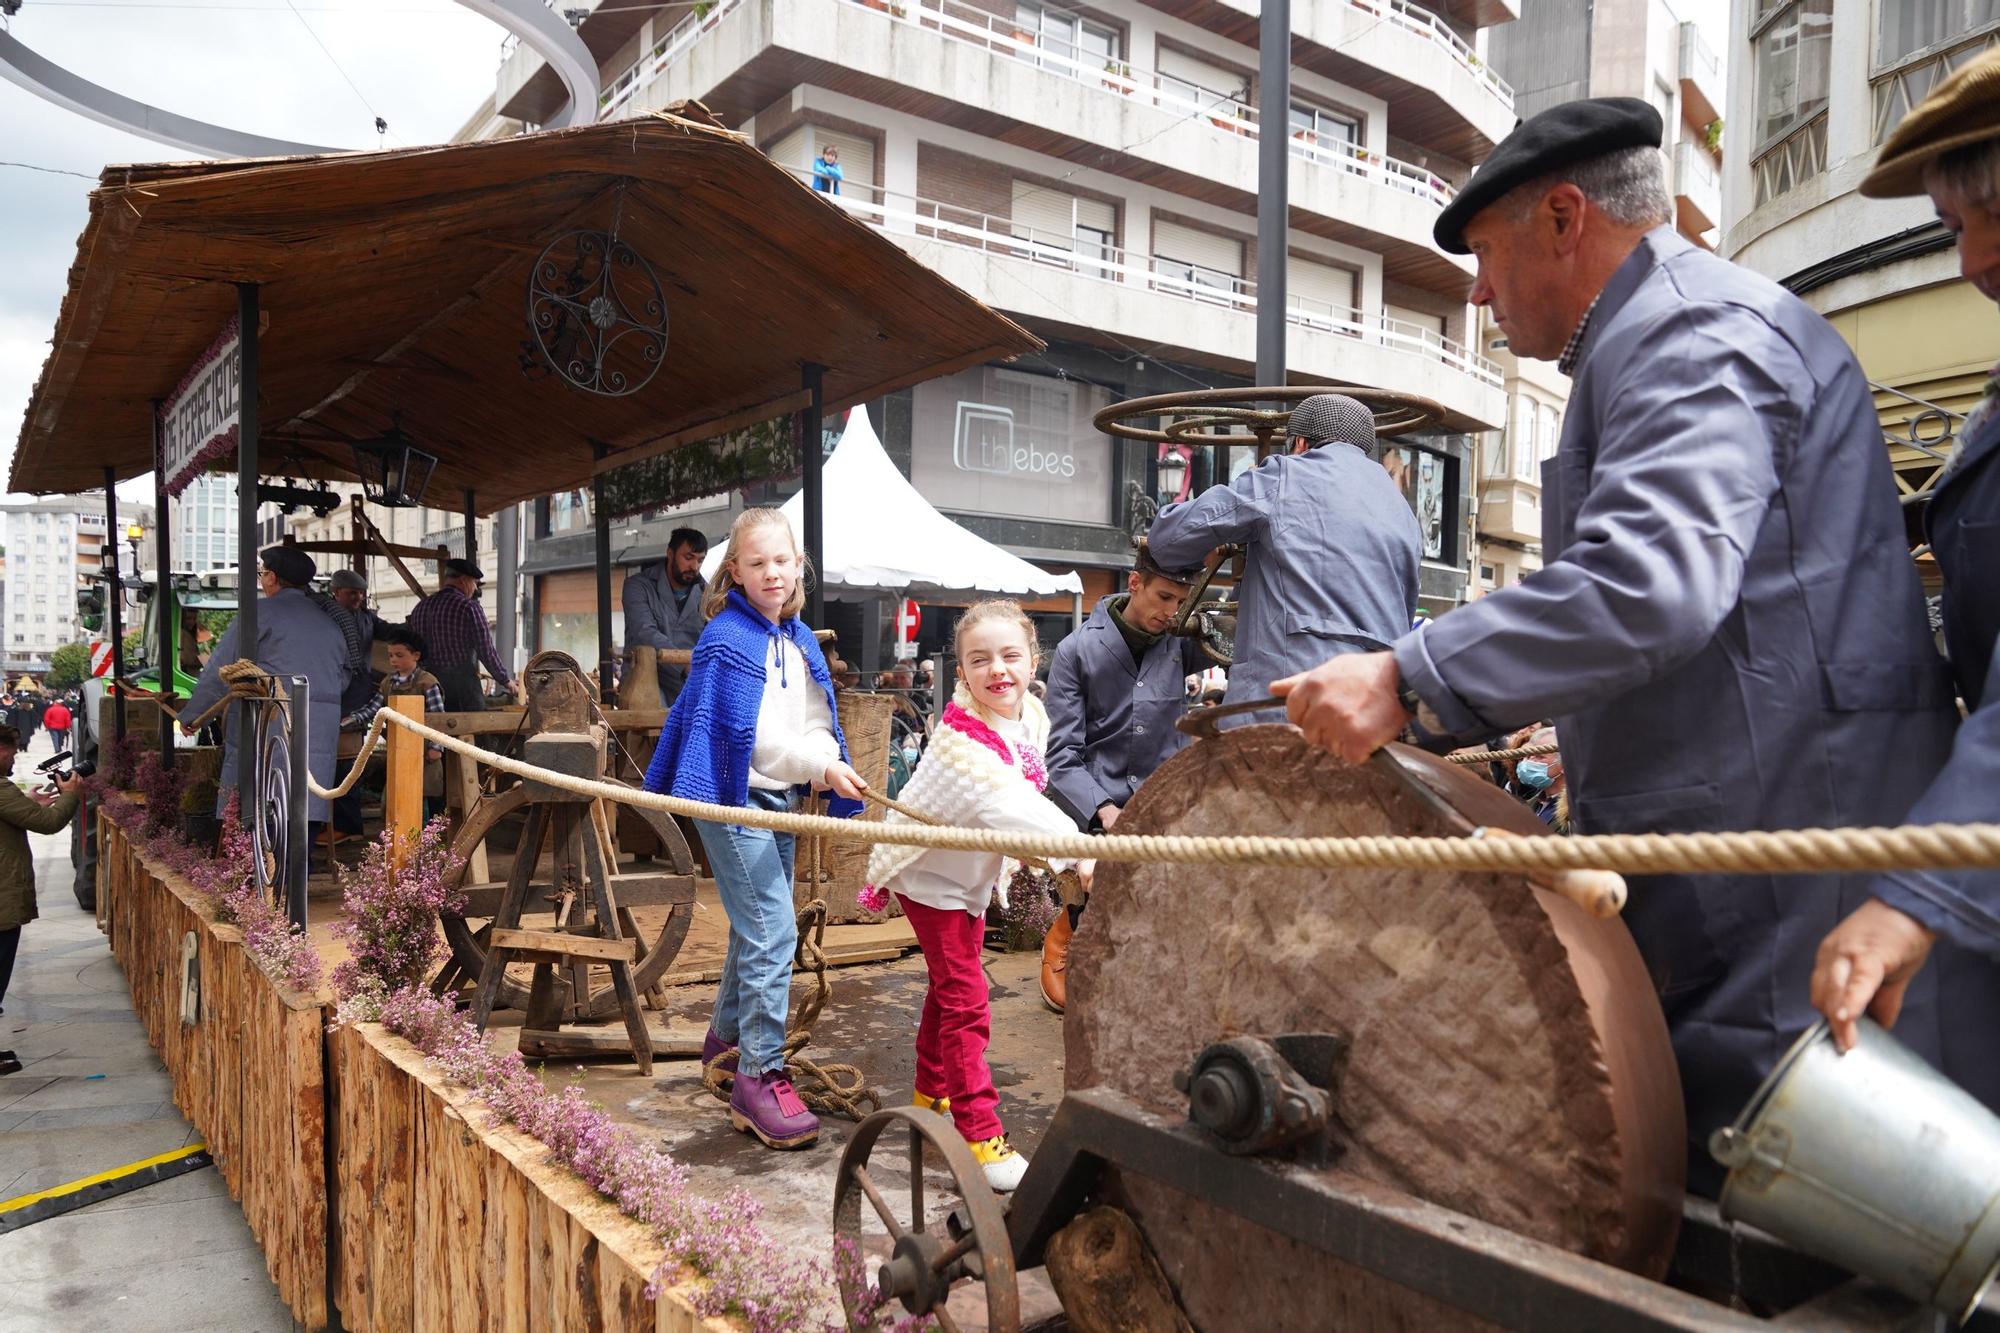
x=810 y=431
x=1274 y=147
x=507 y=536
x=162 y=603
x=600 y=519
x=298 y=838
x=114 y=599
x=471 y=528
x=246 y=530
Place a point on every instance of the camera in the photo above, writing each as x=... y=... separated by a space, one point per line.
x=59 y=766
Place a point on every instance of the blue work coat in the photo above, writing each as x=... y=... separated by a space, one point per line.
x=1111 y=719
x=1729 y=633
x=1332 y=550
x=294 y=638
x=1963 y=906
x=652 y=618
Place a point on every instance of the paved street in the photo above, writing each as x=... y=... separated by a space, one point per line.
x=91 y=1096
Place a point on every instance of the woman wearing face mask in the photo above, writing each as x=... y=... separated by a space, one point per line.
x=1539 y=781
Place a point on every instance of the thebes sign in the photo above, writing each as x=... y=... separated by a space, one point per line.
x=198 y=422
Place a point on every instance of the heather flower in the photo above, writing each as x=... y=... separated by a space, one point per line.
x=390 y=913
x=164 y=788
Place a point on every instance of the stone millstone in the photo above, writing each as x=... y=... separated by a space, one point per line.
x=1509 y=1058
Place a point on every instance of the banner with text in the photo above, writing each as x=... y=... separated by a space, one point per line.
x=198 y=421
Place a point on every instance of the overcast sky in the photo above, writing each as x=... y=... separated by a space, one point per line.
x=255 y=65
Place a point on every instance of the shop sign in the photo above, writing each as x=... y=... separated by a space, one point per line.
x=198 y=421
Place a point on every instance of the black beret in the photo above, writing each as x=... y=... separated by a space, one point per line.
x=1559 y=137
x=463 y=569
x=293 y=567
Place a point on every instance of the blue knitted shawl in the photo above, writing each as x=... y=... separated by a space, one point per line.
x=704 y=750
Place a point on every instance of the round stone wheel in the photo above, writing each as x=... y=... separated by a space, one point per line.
x=1508 y=1060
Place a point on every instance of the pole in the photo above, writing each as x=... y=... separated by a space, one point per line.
x=507 y=536
x=403 y=796
x=815 y=492
x=298 y=832
x=246 y=533
x=114 y=598
x=607 y=674
x=1274 y=146
x=471 y=529
x=163 y=603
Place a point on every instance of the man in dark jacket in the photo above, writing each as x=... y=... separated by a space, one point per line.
x=20 y=815
x=663 y=605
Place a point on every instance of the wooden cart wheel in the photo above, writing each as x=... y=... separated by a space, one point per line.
x=467 y=933
x=917 y=1255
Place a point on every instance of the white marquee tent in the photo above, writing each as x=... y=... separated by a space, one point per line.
x=883 y=537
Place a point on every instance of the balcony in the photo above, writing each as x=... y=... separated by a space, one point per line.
x=1702 y=93
x=955 y=65
x=1209 y=315
x=1697 y=189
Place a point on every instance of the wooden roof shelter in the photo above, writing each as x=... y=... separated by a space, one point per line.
x=394 y=292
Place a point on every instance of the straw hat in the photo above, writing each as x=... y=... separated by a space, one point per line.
x=1964 y=109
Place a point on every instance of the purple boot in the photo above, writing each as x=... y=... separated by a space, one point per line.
x=712 y=1046
x=767 y=1106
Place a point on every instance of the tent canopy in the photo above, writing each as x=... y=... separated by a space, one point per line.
x=883 y=537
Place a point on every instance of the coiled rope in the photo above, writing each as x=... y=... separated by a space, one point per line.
x=1792 y=851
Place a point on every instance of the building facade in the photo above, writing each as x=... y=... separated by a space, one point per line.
x=203 y=537
x=1816 y=88
x=53 y=547
x=1558 y=51
x=1093 y=174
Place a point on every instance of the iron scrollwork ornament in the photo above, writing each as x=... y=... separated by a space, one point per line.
x=596 y=313
x=270 y=821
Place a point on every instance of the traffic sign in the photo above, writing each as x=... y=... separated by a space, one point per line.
x=100 y=658
x=909 y=619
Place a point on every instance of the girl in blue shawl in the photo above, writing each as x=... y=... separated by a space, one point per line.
x=756 y=726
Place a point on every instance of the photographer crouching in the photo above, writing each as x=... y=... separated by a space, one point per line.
x=20 y=815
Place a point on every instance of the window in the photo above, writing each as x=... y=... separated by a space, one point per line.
x=1794 y=46
x=993 y=441
x=1195 y=260
x=1905 y=27
x=1091 y=45
x=1316 y=130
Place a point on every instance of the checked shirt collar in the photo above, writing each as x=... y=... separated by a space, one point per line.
x=1573 y=349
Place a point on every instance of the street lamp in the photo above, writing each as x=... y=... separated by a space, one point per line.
x=1172 y=471
x=393 y=471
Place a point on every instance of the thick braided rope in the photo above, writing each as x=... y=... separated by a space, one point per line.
x=1793 y=851
x=1499 y=756
x=369 y=740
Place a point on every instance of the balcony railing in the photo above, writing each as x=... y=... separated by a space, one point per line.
x=1222 y=113
x=1426 y=25
x=1090 y=260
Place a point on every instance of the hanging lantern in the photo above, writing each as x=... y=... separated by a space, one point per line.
x=393 y=471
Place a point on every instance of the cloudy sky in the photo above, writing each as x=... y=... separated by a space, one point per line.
x=315 y=71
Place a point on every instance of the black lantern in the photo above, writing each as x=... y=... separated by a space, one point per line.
x=393 y=471
x=1172 y=472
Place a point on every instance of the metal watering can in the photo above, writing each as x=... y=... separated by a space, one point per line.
x=1872 y=1160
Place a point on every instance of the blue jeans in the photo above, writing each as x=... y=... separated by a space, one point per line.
x=753 y=872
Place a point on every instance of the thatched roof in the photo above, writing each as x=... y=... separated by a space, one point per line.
x=394 y=289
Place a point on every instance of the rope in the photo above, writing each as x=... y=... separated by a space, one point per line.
x=1793 y=851
x=1498 y=756
x=369 y=740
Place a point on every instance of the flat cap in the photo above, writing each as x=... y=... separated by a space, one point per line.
x=347 y=578
x=292 y=566
x=1559 y=137
x=463 y=569
x=1961 y=111
x=1333 y=418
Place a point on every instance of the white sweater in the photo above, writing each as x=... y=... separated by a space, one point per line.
x=794 y=727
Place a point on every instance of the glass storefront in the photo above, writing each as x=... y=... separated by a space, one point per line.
x=997 y=441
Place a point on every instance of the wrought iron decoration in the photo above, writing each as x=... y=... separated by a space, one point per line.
x=596 y=313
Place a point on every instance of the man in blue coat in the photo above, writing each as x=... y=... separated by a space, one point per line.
x=663 y=605
x=1116 y=688
x=1729 y=630
x=1332 y=547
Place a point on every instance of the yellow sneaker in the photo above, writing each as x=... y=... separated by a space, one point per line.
x=942 y=1105
x=1003 y=1166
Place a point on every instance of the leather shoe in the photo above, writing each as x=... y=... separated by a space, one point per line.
x=1055 y=962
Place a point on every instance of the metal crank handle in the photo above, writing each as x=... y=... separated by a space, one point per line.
x=1598 y=892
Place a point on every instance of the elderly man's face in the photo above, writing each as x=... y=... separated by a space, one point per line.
x=268 y=583
x=1522 y=276
x=1977 y=227
x=351 y=598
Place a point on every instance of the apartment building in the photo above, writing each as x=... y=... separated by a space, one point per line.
x=1092 y=172
x=53 y=547
x=1558 y=51
x=1815 y=88
x=203 y=536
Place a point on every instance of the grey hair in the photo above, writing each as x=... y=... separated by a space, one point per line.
x=1628 y=186
x=1972 y=173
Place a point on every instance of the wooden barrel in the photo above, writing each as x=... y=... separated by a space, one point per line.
x=1509 y=1058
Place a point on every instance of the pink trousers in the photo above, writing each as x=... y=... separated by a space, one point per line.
x=951 y=1039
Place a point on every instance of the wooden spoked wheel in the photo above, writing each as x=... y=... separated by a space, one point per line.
x=467 y=933
x=908 y=1231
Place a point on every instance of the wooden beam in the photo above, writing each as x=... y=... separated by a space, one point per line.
x=507 y=721
x=560 y=943
x=355 y=546
x=362 y=524
x=748 y=416
x=403 y=800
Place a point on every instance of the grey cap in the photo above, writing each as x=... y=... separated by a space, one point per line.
x=1330 y=418
x=347 y=578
